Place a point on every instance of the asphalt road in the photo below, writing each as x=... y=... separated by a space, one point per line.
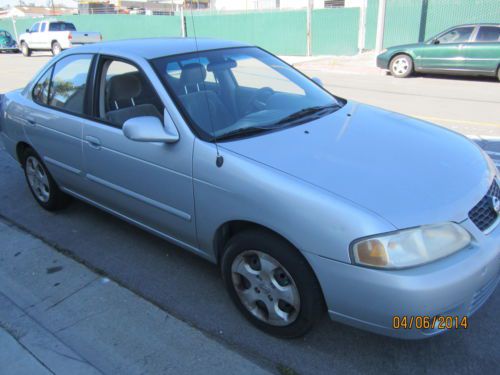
x=192 y=290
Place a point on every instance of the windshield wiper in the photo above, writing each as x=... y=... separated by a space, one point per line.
x=241 y=132
x=286 y=121
x=304 y=113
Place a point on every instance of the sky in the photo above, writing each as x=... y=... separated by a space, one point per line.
x=4 y=3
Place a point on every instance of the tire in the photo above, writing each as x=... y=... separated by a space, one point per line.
x=401 y=66
x=498 y=73
x=25 y=49
x=41 y=184
x=56 y=48
x=253 y=289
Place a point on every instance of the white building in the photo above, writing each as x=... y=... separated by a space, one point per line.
x=235 y=5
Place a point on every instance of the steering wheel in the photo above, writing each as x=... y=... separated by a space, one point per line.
x=258 y=102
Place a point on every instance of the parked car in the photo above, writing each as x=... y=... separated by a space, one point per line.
x=467 y=49
x=54 y=36
x=308 y=202
x=7 y=42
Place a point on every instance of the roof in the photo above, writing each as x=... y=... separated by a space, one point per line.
x=159 y=47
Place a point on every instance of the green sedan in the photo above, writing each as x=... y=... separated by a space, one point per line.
x=467 y=50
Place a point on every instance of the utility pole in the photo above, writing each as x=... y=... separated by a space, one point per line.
x=379 y=44
x=310 y=5
x=183 y=24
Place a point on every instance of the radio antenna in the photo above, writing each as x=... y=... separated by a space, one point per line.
x=220 y=159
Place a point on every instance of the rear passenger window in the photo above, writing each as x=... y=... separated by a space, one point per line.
x=488 y=34
x=68 y=85
x=41 y=89
x=125 y=93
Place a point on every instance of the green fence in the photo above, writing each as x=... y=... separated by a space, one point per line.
x=335 y=31
x=279 y=32
x=112 y=26
x=411 y=21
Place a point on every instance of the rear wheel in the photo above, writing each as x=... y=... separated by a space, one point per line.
x=42 y=185
x=498 y=73
x=271 y=284
x=25 y=49
x=56 y=48
x=401 y=66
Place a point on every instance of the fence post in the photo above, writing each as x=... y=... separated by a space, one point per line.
x=15 y=29
x=379 y=43
x=308 y=27
x=362 y=26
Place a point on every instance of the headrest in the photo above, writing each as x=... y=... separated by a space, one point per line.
x=124 y=87
x=192 y=74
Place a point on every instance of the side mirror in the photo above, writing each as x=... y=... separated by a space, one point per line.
x=150 y=129
x=317 y=81
x=435 y=41
x=27 y=30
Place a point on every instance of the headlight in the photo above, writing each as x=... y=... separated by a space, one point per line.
x=410 y=247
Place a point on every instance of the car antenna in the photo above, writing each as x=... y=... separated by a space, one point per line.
x=220 y=159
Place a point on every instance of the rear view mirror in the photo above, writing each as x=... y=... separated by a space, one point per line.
x=150 y=129
x=317 y=81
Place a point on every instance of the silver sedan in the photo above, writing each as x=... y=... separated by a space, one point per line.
x=308 y=202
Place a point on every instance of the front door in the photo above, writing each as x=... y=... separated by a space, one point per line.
x=446 y=52
x=149 y=183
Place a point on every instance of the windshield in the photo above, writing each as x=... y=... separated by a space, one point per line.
x=238 y=91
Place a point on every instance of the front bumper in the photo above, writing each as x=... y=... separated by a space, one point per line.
x=457 y=285
x=383 y=61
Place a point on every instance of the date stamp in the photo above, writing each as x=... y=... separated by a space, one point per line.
x=430 y=322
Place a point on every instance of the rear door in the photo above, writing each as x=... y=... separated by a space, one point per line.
x=483 y=54
x=447 y=51
x=55 y=117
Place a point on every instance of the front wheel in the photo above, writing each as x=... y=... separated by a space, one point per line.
x=25 y=49
x=42 y=185
x=271 y=284
x=401 y=66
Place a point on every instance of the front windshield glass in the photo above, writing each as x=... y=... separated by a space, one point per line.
x=238 y=91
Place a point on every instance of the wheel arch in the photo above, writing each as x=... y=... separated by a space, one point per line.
x=21 y=147
x=227 y=230
x=401 y=53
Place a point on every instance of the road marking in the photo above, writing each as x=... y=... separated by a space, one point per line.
x=467 y=122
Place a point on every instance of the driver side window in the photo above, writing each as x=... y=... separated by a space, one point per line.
x=458 y=35
x=126 y=93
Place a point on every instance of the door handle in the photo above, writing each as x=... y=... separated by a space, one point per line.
x=31 y=121
x=93 y=141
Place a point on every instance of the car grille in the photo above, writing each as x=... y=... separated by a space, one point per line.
x=482 y=214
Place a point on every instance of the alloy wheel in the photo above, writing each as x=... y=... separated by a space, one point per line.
x=38 y=179
x=400 y=66
x=265 y=288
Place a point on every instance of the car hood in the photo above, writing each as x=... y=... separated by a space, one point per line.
x=408 y=171
x=405 y=46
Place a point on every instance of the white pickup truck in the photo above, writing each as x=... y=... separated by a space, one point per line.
x=54 y=36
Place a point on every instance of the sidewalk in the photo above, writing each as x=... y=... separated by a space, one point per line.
x=58 y=317
x=364 y=63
